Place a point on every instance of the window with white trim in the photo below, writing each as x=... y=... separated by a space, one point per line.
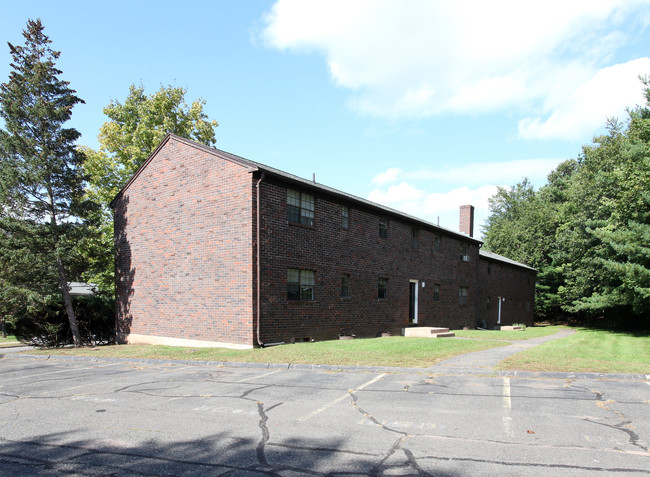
x=414 y=238
x=383 y=227
x=300 y=284
x=382 y=288
x=300 y=208
x=464 y=252
x=462 y=295
x=345 y=285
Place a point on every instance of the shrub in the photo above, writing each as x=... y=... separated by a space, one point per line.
x=47 y=325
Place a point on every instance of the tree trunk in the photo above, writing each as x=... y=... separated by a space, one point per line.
x=76 y=336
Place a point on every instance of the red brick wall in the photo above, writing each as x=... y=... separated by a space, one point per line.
x=331 y=251
x=184 y=263
x=185 y=266
x=466 y=222
x=515 y=284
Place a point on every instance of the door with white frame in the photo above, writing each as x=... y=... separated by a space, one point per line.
x=413 y=302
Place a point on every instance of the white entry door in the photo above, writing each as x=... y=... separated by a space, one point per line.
x=413 y=302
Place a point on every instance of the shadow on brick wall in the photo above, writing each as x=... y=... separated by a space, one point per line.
x=124 y=272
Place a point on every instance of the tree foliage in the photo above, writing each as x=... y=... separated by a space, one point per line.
x=588 y=230
x=134 y=130
x=40 y=177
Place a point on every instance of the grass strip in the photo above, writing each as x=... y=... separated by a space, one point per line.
x=394 y=351
x=587 y=350
x=10 y=340
x=527 y=334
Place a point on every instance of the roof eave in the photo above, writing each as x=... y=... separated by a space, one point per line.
x=286 y=177
x=253 y=166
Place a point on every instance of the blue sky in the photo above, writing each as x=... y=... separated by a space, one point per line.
x=420 y=105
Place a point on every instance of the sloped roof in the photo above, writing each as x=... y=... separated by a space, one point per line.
x=253 y=166
x=501 y=258
x=257 y=166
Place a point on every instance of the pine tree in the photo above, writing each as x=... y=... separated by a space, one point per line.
x=40 y=174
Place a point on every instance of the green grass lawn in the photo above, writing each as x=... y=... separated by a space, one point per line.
x=10 y=339
x=587 y=351
x=392 y=351
x=528 y=333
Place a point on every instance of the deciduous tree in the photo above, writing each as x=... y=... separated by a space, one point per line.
x=588 y=229
x=134 y=129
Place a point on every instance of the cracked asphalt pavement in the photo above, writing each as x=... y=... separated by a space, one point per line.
x=121 y=417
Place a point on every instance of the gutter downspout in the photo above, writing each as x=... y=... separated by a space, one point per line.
x=259 y=266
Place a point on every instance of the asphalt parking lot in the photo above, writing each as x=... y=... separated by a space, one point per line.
x=103 y=417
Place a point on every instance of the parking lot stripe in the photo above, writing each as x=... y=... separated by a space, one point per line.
x=49 y=373
x=258 y=376
x=341 y=398
x=507 y=406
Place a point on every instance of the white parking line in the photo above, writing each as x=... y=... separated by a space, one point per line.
x=259 y=376
x=340 y=398
x=507 y=407
x=49 y=373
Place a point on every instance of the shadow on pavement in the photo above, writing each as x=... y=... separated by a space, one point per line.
x=220 y=454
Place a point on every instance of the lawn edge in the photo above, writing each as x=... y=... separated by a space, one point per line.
x=432 y=370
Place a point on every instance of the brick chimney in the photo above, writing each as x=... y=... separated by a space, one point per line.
x=467 y=220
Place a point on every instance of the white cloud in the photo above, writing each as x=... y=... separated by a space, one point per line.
x=605 y=95
x=419 y=202
x=386 y=177
x=436 y=207
x=474 y=174
x=401 y=193
x=436 y=194
x=421 y=58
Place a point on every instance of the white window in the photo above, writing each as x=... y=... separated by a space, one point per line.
x=345 y=217
x=462 y=295
x=382 y=288
x=383 y=228
x=464 y=253
x=300 y=208
x=345 y=286
x=300 y=284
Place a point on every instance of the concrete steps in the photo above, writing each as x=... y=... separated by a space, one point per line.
x=427 y=332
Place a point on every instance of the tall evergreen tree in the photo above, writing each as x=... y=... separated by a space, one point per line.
x=588 y=229
x=40 y=174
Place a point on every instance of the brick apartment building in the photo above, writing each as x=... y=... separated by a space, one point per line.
x=214 y=249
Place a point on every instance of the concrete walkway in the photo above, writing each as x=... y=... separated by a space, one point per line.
x=486 y=360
